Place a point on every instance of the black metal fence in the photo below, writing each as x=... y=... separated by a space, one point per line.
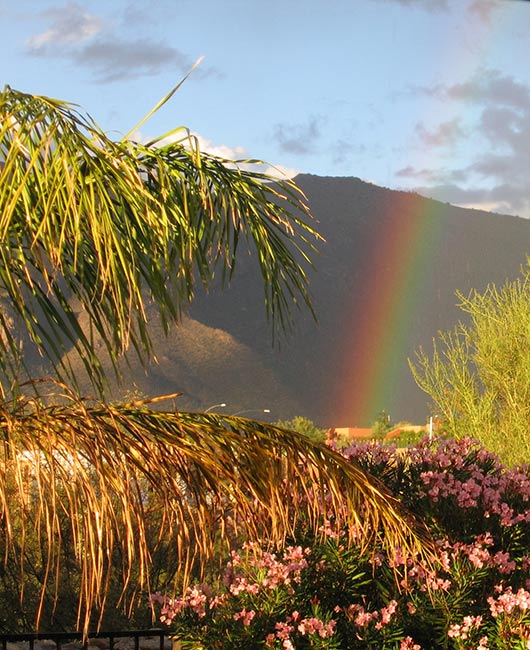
x=60 y=638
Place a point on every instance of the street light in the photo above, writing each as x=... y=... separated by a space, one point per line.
x=431 y=424
x=251 y=410
x=222 y=405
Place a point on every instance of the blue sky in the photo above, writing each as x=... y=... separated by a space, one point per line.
x=427 y=95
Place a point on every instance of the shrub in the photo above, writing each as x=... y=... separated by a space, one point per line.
x=305 y=426
x=381 y=425
x=321 y=592
x=478 y=375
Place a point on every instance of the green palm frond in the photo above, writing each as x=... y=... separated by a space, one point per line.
x=87 y=223
x=101 y=475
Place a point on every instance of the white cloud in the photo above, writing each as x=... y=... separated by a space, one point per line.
x=113 y=59
x=499 y=124
x=229 y=153
x=426 y=5
x=86 y=40
x=445 y=134
x=69 y=24
x=485 y=87
x=280 y=172
x=504 y=198
x=484 y=9
x=424 y=174
x=499 y=208
x=222 y=151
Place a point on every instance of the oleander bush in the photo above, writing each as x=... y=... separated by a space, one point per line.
x=320 y=592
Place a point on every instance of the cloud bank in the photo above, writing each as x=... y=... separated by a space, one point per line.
x=498 y=175
x=103 y=46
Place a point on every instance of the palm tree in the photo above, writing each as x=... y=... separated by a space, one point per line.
x=94 y=227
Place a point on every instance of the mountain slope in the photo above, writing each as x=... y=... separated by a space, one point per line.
x=206 y=365
x=384 y=285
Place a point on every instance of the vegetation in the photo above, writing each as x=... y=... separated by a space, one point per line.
x=382 y=425
x=407 y=437
x=320 y=593
x=305 y=426
x=479 y=375
x=92 y=493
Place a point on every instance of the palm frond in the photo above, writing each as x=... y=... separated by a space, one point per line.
x=87 y=223
x=101 y=476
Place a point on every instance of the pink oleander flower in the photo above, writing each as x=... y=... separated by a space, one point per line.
x=508 y=601
x=388 y=611
x=241 y=585
x=359 y=615
x=246 y=616
x=217 y=601
x=462 y=631
x=525 y=562
x=328 y=530
x=503 y=562
x=283 y=630
x=398 y=559
x=408 y=644
x=316 y=626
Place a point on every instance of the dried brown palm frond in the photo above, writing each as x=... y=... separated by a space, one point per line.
x=102 y=476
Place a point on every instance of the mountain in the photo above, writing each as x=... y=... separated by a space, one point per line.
x=207 y=366
x=384 y=284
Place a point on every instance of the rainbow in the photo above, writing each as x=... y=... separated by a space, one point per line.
x=410 y=230
x=407 y=234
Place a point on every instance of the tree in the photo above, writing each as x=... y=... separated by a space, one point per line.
x=479 y=374
x=304 y=426
x=381 y=425
x=94 y=227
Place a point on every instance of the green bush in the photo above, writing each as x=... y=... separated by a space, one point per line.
x=478 y=375
x=382 y=425
x=304 y=426
x=321 y=592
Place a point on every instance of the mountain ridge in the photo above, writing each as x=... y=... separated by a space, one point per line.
x=362 y=223
x=383 y=285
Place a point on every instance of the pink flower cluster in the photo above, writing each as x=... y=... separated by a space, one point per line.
x=371 y=452
x=462 y=491
x=245 y=616
x=270 y=572
x=196 y=598
x=304 y=626
x=462 y=470
x=417 y=573
x=330 y=530
x=484 y=490
x=468 y=624
x=362 y=618
x=507 y=601
x=478 y=554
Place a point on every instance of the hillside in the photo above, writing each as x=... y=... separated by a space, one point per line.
x=383 y=285
x=206 y=365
